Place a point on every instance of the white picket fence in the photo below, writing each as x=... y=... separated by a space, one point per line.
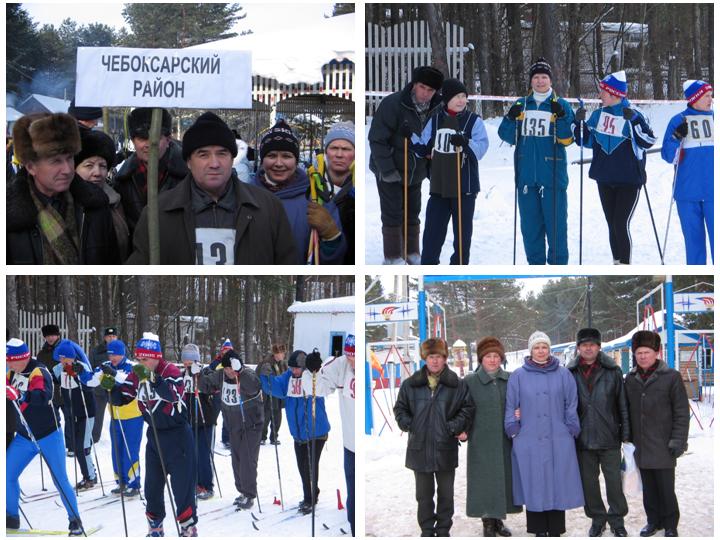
x=391 y=53
x=31 y=333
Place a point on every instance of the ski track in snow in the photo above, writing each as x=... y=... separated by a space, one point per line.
x=391 y=486
x=46 y=515
x=492 y=241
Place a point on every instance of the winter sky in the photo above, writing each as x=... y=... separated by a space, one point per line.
x=529 y=285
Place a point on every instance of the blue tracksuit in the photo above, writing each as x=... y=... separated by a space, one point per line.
x=35 y=383
x=443 y=203
x=541 y=176
x=693 y=192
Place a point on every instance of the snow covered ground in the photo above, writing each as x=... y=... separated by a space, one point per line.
x=46 y=514
x=391 y=487
x=493 y=222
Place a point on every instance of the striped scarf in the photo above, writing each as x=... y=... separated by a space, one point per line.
x=61 y=242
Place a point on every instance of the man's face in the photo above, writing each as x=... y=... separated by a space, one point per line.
x=645 y=357
x=351 y=359
x=705 y=103
x=211 y=167
x=18 y=366
x=589 y=350
x=150 y=363
x=607 y=99
x=340 y=155
x=279 y=165
x=109 y=338
x=142 y=147
x=541 y=82
x=296 y=371
x=423 y=92
x=52 y=175
x=279 y=357
x=435 y=363
x=52 y=339
x=115 y=359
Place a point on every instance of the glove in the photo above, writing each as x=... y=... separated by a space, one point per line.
x=12 y=393
x=78 y=368
x=459 y=139
x=580 y=114
x=313 y=361
x=406 y=130
x=557 y=109
x=107 y=381
x=141 y=371
x=630 y=114
x=107 y=369
x=320 y=219
x=681 y=131
x=677 y=448
x=515 y=111
x=391 y=178
x=232 y=360
x=195 y=368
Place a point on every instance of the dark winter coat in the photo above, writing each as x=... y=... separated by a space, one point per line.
x=345 y=202
x=604 y=417
x=207 y=413
x=659 y=413
x=98 y=244
x=433 y=420
x=241 y=409
x=546 y=475
x=263 y=233
x=99 y=355
x=131 y=181
x=387 y=147
x=489 y=467
x=269 y=366
x=45 y=357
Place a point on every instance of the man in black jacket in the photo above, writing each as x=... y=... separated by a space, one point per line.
x=51 y=335
x=434 y=407
x=604 y=424
x=399 y=116
x=660 y=421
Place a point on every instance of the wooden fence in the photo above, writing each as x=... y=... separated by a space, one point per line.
x=31 y=329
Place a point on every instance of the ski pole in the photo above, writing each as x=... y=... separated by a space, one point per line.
x=209 y=444
x=458 y=152
x=42 y=477
x=313 y=472
x=405 y=199
x=515 y=157
x=582 y=133
x=23 y=513
x=277 y=455
x=52 y=474
x=652 y=219
x=197 y=446
x=554 y=201
x=92 y=443
x=672 y=195
x=116 y=453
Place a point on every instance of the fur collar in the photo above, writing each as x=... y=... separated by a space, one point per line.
x=447 y=378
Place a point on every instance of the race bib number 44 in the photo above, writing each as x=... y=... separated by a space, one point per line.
x=610 y=124
x=215 y=246
x=536 y=124
x=701 y=131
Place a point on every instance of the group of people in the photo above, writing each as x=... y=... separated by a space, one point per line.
x=426 y=131
x=180 y=403
x=538 y=436
x=69 y=202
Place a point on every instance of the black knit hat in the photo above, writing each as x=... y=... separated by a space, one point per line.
x=588 y=334
x=95 y=143
x=540 y=66
x=50 y=330
x=646 y=338
x=139 y=122
x=451 y=88
x=208 y=130
x=297 y=359
x=84 y=113
x=429 y=76
x=279 y=138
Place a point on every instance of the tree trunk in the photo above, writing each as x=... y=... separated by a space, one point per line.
x=11 y=308
x=142 y=294
x=519 y=76
x=436 y=27
x=249 y=337
x=550 y=32
x=69 y=296
x=696 y=46
x=482 y=54
x=573 y=58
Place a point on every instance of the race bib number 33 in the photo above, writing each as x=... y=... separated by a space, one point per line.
x=536 y=124
x=215 y=246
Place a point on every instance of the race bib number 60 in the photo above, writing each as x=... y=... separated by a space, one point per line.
x=701 y=130
x=215 y=246
x=536 y=124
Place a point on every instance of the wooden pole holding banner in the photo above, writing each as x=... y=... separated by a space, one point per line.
x=152 y=187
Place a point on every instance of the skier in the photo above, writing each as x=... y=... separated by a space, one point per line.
x=28 y=384
x=158 y=387
x=217 y=398
x=693 y=191
x=126 y=420
x=338 y=373
x=619 y=136
x=203 y=416
x=273 y=407
x=540 y=127
x=291 y=387
x=453 y=133
x=73 y=372
x=242 y=408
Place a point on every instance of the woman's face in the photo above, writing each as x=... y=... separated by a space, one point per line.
x=491 y=361
x=541 y=83
x=540 y=352
x=93 y=169
x=279 y=165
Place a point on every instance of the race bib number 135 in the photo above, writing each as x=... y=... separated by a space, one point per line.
x=536 y=124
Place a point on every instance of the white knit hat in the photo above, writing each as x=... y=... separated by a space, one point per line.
x=538 y=337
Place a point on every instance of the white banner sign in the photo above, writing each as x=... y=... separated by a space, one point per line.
x=185 y=78
x=694 y=302
x=383 y=313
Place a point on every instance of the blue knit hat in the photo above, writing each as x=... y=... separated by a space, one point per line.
x=694 y=90
x=116 y=347
x=16 y=350
x=65 y=349
x=148 y=347
x=341 y=130
x=615 y=84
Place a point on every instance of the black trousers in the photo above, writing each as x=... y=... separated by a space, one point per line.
x=101 y=398
x=435 y=520
x=392 y=201
x=591 y=461
x=618 y=204
x=302 y=456
x=550 y=521
x=276 y=411
x=659 y=500
x=438 y=213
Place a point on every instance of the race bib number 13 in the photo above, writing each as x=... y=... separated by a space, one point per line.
x=215 y=246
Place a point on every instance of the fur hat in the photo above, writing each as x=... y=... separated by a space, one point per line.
x=85 y=113
x=588 y=334
x=38 y=136
x=279 y=138
x=96 y=143
x=489 y=344
x=50 y=330
x=646 y=338
x=278 y=348
x=208 y=130
x=538 y=337
x=297 y=359
x=429 y=76
x=139 y=122
x=433 y=346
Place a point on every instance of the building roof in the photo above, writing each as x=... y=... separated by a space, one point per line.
x=344 y=304
x=53 y=105
x=11 y=115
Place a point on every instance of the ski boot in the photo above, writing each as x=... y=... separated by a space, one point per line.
x=155 y=527
x=12 y=522
x=188 y=527
x=75 y=528
x=116 y=490
x=247 y=504
x=131 y=492
x=203 y=494
x=86 y=483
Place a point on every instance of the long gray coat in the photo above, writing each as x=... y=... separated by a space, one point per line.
x=489 y=468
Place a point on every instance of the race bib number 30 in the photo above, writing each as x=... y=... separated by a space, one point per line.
x=215 y=246
x=610 y=124
x=536 y=124
x=701 y=131
x=442 y=141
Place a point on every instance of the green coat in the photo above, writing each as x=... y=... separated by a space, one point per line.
x=489 y=469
